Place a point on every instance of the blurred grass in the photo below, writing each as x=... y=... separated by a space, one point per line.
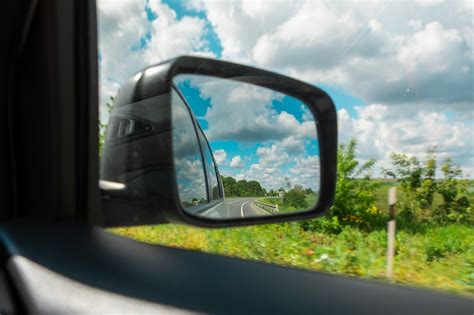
x=436 y=257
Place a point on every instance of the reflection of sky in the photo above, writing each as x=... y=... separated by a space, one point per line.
x=272 y=162
x=189 y=166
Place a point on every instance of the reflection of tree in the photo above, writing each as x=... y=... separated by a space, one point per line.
x=295 y=198
x=242 y=188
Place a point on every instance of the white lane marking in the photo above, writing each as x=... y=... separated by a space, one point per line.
x=242 y=208
x=205 y=213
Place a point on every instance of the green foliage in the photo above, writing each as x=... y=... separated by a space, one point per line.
x=456 y=205
x=272 y=193
x=428 y=186
x=439 y=258
x=295 y=198
x=241 y=188
x=445 y=241
x=229 y=184
x=419 y=187
x=417 y=182
x=354 y=203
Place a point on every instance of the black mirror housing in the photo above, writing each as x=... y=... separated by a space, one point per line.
x=149 y=94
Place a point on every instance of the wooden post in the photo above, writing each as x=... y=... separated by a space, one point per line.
x=391 y=226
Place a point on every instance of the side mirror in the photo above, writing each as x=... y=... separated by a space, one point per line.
x=212 y=143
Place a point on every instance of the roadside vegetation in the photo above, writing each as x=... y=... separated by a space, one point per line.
x=242 y=188
x=297 y=199
x=434 y=240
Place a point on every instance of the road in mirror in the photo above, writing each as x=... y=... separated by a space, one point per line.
x=265 y=151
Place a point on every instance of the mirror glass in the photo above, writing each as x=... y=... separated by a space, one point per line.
x=190 y=171
x=259 y=148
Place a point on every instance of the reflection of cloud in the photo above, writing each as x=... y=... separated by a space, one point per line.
x=191 y=180
x=185 y=141
x=293 y=145
x=275 y=162
x=236 y=162
x=187 y=155
x=306 y=167
x=220 y=156
x=245 y=112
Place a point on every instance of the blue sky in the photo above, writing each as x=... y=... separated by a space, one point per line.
x=400 y=73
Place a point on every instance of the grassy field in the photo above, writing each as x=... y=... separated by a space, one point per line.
x=436 y=257
x=310 y=200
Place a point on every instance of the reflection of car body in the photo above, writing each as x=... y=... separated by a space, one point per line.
x=136 y=138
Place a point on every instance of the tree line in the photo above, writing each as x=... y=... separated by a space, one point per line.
x=242 y=188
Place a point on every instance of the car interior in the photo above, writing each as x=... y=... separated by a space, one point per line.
x=57 y=256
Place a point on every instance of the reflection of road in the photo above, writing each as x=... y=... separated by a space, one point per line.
x=235 y=208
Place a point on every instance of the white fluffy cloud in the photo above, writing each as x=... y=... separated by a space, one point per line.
x=364 y=48
x=244 y=112
x=376 y=50
x=220 y=156
x=381 y=130
x=239 y=24
x=415 y=59
x=120 y=26
x=191 y=180
x=236 y=162
x=129 y=41
x=171 y=37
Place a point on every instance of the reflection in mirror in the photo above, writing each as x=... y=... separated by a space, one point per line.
x=190 y=177
x=264 y=144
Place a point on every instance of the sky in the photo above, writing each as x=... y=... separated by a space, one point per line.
x=399 y=72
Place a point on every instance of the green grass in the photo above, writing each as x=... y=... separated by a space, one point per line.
x=436 y=257
x=442 y=258
x=310 y=200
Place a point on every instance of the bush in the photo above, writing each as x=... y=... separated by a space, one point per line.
x=419 y=187
x=456 y=204
x=295 y=198
x=354 y=203
x=417 y=182
x=444 y=241
x=241 y=188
